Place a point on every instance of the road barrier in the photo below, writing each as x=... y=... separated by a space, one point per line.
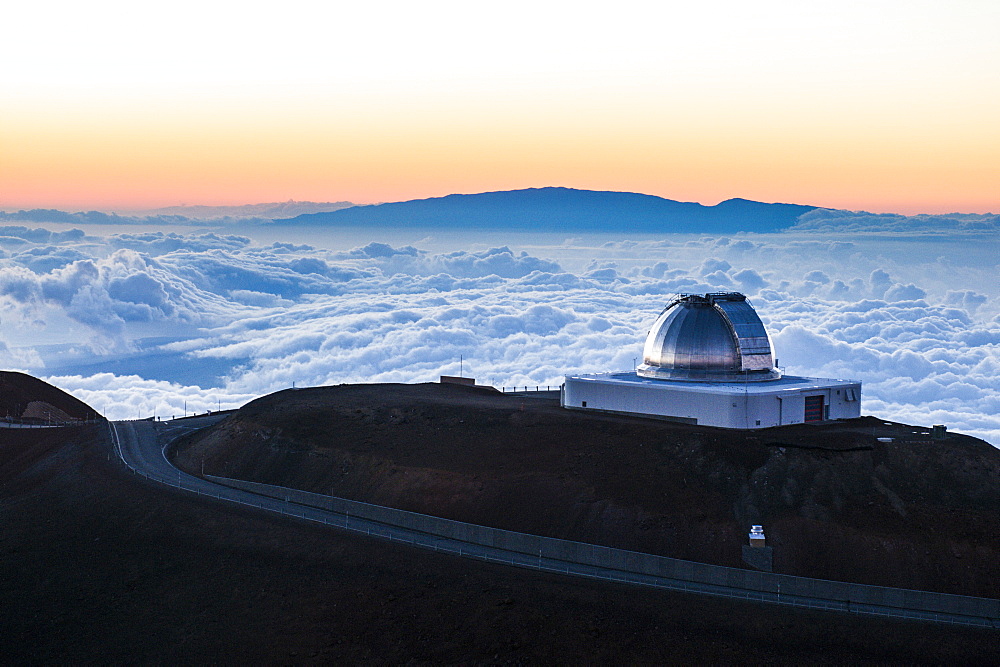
x=590 y=560
x=23 y=423
x=818 y=593
x=531 y=389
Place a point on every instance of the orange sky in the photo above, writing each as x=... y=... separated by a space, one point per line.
x=885 y=109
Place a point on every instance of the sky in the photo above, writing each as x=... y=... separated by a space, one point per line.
x=866 y=106
x=881 y=106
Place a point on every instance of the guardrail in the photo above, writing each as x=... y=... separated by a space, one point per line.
x=20 y=423
x=529 y=389
x=594 y=561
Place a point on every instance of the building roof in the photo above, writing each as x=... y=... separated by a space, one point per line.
x=787 y=383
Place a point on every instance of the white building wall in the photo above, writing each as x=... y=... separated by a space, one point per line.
x=791 y=408
x=664 y=401
x=724 y=406
x=763 y=411
x=840 y=405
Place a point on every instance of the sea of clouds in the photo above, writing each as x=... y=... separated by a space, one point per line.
x=143 y=322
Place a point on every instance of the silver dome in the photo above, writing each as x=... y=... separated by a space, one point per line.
x=710 y=338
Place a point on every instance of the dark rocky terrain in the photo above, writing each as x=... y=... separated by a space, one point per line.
x=101 y=566
x=835 y=502
x=26 y=398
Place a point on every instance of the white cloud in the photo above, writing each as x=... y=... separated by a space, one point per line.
x=131 y=397
x=19 y=235
x=262 y=317
x=750 y=281
x=158 y=243
x=44 y=259
x=965 y=299
x=904 y=293
x=839 y=221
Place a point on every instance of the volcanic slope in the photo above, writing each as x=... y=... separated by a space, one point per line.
x=23 y=397
x=102 y=566
x=835 y=502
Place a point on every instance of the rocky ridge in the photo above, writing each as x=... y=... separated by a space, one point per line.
x=836 y=502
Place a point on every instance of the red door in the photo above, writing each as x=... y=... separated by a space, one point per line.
x=814 y=408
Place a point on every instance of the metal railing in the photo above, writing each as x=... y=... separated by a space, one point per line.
x=523 y=389
x=10 y=422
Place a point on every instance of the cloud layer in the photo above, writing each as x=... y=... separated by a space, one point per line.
x=142 y=323
x=839 y=221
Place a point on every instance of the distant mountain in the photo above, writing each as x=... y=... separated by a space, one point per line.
x=567 y=209
x=269 y=210
x=176 y=215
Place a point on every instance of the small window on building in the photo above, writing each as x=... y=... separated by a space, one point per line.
x=758 y=422
x=584 y=404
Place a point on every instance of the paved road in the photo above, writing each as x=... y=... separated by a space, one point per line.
x=142 y=444
x=142 y=447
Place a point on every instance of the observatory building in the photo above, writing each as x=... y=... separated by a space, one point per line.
x=708 y=360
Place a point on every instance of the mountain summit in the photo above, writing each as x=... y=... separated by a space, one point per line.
x=24 y=398
x=565 y=209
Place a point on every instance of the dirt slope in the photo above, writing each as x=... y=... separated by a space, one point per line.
x=23 y=397
x=99 y=566
x=835 y=502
